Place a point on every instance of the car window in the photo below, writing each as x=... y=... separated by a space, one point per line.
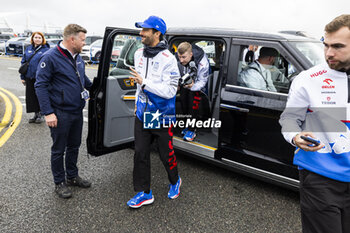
x=17 y=39
x=5 y=37
x=88 y=40
x=122 y=57
x=53 y=36
x=213 y=49
x=264 y=69
x=313 y=51
x=97 y=43
x=91 y=39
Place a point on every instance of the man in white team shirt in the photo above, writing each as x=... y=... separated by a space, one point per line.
x=318 y=107
x=157 y=75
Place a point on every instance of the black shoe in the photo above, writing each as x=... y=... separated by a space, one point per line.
x=33 y=119
x=63 y=191
x=39 y=118
x=78 y=181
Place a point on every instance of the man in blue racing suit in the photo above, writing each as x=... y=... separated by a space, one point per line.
x=157 y=75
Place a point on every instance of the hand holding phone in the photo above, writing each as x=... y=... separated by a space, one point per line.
x=311 y=140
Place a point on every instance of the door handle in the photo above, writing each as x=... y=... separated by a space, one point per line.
x=128 y=97
x=246 y=102
x=234 y=108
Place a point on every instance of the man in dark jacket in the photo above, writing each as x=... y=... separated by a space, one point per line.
x=60 y=87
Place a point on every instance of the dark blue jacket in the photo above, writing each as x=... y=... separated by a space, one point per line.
x=33 y=64
x=57 y=84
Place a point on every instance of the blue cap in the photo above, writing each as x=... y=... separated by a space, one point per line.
x=153 y=22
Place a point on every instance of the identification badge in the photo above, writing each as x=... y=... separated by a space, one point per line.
x=85 y=95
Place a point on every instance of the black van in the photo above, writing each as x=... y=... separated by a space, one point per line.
x=249 y=140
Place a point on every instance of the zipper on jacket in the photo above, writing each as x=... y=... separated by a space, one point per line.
x=348 y=87
x=141 y=87
x=62 y=96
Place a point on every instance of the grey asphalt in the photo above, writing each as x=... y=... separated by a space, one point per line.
x=2 y=108
x=212 y=199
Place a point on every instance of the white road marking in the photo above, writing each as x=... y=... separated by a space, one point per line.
x=12 y=68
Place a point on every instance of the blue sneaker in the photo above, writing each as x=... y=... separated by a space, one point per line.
x=183 y=132
x=174 y=190
x=189 y=136
x=141 y=199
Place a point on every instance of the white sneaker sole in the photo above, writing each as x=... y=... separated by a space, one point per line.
x=146 y=202
x=174 y=197
x=190 y=139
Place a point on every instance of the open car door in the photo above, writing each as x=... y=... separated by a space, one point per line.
x=112 y=95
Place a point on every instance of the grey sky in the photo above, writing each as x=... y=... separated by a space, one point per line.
x=268 y=15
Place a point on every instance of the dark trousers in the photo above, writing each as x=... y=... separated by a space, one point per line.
x=32 y=103
x=325 y=204
x=66 y=138
x=191 y=103
x=142 y=161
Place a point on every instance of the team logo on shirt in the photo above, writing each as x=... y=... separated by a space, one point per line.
x=155 y=66
x=318 y=73
x=329 y=85
x=328 y=81
x=42 y=65
x=329 y=101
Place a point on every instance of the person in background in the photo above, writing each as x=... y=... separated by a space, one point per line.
x=250 y=54
x=61 y=88
x=34 y=52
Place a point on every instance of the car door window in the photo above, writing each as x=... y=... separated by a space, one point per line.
x=122 y=57
x=267 y=71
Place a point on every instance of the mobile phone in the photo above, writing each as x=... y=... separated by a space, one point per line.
x=309 y=139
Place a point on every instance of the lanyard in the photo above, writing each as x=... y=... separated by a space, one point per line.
x=74 y=66
x=35 y=51
x=348 y=88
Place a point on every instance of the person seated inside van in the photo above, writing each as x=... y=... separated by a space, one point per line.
x=257 y=74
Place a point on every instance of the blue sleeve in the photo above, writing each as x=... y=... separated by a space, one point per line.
x=24 y=58
x=88 y=83
x=43 y=83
